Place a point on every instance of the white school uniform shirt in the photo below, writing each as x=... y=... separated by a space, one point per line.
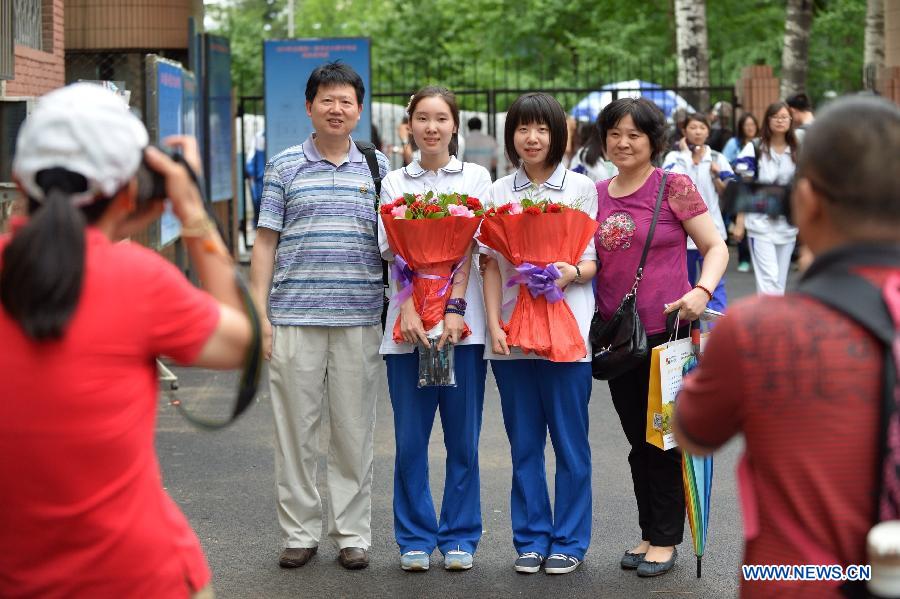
x=455 y=176
x=772 y=168
x=564 y=187
x=681 y=161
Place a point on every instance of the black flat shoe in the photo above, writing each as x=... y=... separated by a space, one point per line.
x=648 y=569
x=630 y=561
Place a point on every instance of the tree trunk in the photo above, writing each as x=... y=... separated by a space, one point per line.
x=795 y=56
x=873 y=60
x=692 y=50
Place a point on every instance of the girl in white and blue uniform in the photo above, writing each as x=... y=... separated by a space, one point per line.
x=772 y=238
x=538 y=395
x=709 y=171
x=434 y=122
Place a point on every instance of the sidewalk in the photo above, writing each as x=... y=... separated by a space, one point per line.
x=224 y=482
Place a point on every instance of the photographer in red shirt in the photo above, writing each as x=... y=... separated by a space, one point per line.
x=802 y=381
x=82 y=320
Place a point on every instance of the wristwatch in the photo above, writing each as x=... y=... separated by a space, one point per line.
x=458 y=303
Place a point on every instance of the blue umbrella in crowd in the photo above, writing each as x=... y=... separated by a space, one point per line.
x=591 y=105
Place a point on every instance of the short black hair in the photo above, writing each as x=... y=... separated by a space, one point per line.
x=474 y=124
x=851 y=155
x=696 y=116
x=540 y=108
x=331 y=74
x=799 y=101
x=647 y=117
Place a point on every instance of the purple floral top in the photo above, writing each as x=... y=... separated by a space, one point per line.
x=624 y=223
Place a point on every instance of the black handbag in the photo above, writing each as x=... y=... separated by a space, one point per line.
x=620 y=343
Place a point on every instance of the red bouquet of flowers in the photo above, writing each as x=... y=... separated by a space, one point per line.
x=533 y=235
x=431 y=237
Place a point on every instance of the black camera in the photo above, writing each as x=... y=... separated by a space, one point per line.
x=151 y=184
x=756 y=198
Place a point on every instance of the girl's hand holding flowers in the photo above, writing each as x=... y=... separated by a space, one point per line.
x=411 y=328
x=454 y=324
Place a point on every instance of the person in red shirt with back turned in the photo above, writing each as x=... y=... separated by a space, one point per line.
x=82 y=319
x=801 y=381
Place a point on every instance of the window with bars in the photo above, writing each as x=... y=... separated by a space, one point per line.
x=28 y=23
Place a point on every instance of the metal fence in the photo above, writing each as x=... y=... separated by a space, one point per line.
x=487 y=89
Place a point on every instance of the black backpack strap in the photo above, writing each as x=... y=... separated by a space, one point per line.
x=863 y=302
x=368 y=150
x=855 y=297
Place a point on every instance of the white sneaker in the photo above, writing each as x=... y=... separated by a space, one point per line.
x=415 y=561
x=559 y=563
x=457 y=560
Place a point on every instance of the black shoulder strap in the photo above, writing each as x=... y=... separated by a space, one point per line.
x=756 y=144
x=368 y=150
x=659 y=197
x=857 y=298
x=864 y=303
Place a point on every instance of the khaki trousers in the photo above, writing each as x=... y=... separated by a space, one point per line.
x=334 y=369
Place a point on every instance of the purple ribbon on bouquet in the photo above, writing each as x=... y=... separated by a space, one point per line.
x=538 y=281
x=403 y=274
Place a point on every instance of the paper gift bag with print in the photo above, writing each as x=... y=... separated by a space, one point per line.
x=668 y=364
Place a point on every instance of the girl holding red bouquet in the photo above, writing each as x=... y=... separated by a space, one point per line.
x=434 y=122
x=536 y=393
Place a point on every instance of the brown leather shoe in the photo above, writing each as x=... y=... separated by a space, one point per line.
x=354 y=558
x=294 y=557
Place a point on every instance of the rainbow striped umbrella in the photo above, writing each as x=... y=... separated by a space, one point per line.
x=697 y=474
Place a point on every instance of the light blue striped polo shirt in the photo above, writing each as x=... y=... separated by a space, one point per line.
x=327 y=264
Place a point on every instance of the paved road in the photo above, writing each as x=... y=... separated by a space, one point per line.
x=224 y=482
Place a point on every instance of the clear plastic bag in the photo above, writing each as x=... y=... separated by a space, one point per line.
x=436 y=366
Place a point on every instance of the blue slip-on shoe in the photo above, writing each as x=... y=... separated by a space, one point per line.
x=529 y=563
x=457 y=560
x=560 y=563
x=415 y=561
x=647 y=569
x=630 y=561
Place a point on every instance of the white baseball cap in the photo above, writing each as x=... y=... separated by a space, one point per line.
x=85 y=129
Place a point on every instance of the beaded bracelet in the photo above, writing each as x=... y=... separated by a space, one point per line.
x=704 y=290
x=454 y=311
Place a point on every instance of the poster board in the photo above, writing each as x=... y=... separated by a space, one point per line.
x=219 y=112
x=164 y=117
x=287 y=64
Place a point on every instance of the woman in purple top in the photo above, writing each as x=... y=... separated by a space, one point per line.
x=635 y=134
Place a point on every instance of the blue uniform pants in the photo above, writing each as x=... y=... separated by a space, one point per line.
x=537 y=396
x=694 y=265
x=415 y=526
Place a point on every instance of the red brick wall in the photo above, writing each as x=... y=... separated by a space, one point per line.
x=39 y=71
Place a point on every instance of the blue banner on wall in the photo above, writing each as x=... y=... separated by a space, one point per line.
x=219 y=113
x=287 y=66
x=170 y=114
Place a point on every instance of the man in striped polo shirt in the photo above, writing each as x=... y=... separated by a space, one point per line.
x=316 y=271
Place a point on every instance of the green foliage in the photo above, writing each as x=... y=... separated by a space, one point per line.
x=476 y=44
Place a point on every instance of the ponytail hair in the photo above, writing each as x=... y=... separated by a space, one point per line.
x=43 y=265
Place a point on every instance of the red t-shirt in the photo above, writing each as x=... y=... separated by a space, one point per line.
x=624 y=224
x=83 y=510
x=803 y=383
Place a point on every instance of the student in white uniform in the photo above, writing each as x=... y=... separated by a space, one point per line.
x=434 y=123
x=772 y=239
x=536 y=394
x=709 y=170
